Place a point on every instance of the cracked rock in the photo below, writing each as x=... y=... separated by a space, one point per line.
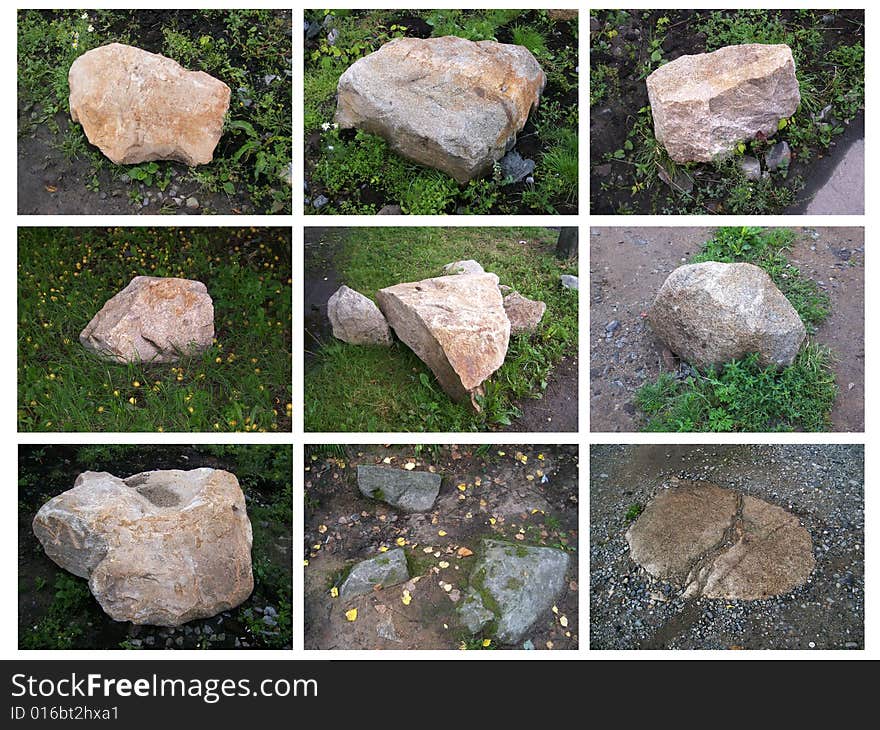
x=717 y=543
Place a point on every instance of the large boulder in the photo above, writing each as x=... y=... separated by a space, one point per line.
x=716 y=543
x=512 y=586
x=154 y=319
x=387 y=569
x=356 y=319
x=712 y=313
x=410 y=491
x=447 y=103
x=159 y=548
x=455 y=324
x=705 y=105
x=137 y=106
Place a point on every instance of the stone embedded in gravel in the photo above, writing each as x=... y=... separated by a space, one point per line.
x=711 y=313
x=356 y=319
x=468 y=266
x=716 y=543
x=524 y=314
x=455 y=324
x=512 y=585
x=447 y=103
x=154 y=319
x=137 y=106
x=411 y=491
x=159 y=548
x=387 y=569
x=706 y=104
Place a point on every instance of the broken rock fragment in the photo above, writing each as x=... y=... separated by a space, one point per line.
x=447 y=103
x=716 y=543
x=159 y=548
x=455 y=324
x=410 y=491
x=154 y=319
x=137 y=106
x=524 y=314
x=706 y=104
x=356 y=319
x=387 y=569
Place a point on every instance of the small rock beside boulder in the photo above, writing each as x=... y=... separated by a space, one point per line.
x=524 y=314
x=158 y=548
x=512 y=586
x=356 y=319
x=387 y=569
x=704 y=105
x=154 y=319
x=712 y=313
x=468 y=266
x=137 y=106
x=410 y=491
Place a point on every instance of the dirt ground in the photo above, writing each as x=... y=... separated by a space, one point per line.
x=627 y=268
x=498 y=500
x=823 y=485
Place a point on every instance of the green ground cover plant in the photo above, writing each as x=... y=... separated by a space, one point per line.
x=356 y=173
x=249 y=50
x=742 y=395
x=631 y=171
x=241 y=383
x=59 y=611
x=360 y=388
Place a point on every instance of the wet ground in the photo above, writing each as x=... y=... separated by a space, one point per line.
x=627 y=268
x=823 y=485
x=46 y=471
x=526 y=495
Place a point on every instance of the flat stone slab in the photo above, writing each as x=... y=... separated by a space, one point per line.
x=410 y=491
x=137 y=106
x=160 y=548
x=717 y=543
x=448 y=103
x=711 y=313
x=703 y=105
x=512 y=586
x=387 y=569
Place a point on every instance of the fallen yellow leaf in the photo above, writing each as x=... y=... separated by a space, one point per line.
x=322 y=529
x=386 y=460
x=464 y=552
x=383 y=549
x=487 y=642
x=334 y=592
x=563 y=621
x=492 y=520
x=555 y=609
x=400 y=541
x=442 y=533
x=352 y=614
x=409 y=466
x=443 y=564
x=406 y=598
x=305 y=563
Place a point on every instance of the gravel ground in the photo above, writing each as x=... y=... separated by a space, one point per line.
x=822 y=484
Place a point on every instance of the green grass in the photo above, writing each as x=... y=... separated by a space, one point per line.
x=342 y=166
x=249 y=50
x=241 y=383
x=741 y=395
x=358 y=388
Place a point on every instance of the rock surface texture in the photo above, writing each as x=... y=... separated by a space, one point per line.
x=356 y=319
x=447 y=103
x=410 y=491
x=387 y=569
x=706 y=104
x=137 y=106
x=716 y=543
x=524 y=314
x=455 y=324
x=154 y=319
x=712 y=313
x=159 y=548
x=512 y=585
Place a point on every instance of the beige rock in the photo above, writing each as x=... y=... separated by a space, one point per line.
x=356 y=319
x=716 y=543
x=524 y=314
x=447 y=103
x=159 y=548
x=154 y=319
x=137 y=106
x=704 y=105
x=712 y=313
x=566 y=14
x=468 y=266
x=455 y=324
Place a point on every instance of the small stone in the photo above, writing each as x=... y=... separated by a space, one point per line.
x=514 y=168
x=356 y=319
x=390 y=210
x=524 y=314
x=750 y=167
x=192 y=203
x=387 y=569
x=410 y=491
x=569 y=281
x=463 y=267
x=320 y=201
x=778 y=156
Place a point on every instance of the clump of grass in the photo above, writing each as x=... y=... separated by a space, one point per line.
x=241 y=383
x=743 y=396
x=633 y=511
x=358 y=388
